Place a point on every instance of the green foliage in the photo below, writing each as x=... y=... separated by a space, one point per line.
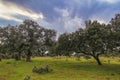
x=64 y=44
x=89 y=41
x=28 y=38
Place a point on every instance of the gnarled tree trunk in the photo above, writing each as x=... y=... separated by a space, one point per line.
x=97 y=59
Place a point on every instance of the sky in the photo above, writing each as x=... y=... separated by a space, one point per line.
x=61 y=15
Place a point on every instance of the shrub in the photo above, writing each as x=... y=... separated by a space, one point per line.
x=27 y=78
x=8 y=62
x=34 y=69
x=40 y=70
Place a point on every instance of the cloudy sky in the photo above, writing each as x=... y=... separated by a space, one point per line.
x=61 y=15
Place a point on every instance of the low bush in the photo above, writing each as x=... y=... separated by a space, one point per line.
x=40 y=70
x=28 y=78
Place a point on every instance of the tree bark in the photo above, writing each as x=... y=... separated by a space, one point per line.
x=42 y=54
x=97 y=60
x=0 y=57
x=28 y=57
x=17 y=57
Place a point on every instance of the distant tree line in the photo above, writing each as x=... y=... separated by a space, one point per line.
x=30 y=39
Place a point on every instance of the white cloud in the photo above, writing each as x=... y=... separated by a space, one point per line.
x=101 y=21
x=62 y=12
x=109 y=1
x=99 y=17
x=67 y=22
x=104 y=16
x=73 y=23
x=9 y=10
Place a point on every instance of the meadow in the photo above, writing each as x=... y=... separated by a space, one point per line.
x=63 y=69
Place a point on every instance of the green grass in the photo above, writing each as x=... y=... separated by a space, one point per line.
x=62 y=69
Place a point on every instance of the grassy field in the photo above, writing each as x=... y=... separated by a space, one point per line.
x=62 y=69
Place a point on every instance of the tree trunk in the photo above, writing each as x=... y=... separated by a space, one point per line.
x=17 y=57
x=97 y=60
x=0 y=58
x=42 y=54
x=28 y=57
